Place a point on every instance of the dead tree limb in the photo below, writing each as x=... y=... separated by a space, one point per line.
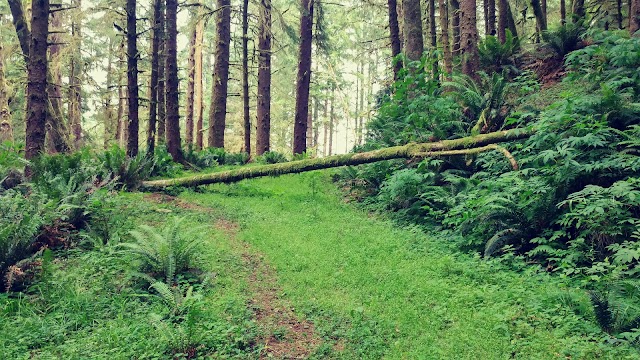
x=466 y=145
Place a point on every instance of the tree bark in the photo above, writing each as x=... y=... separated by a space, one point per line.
x=6 y=133
x=245 y=77
x=191 y=82
x=491 y=17
x=121 y=97
x=511 y=22
x=332 y=119
x=394 y=36
x=54 y=121
x=303 y=80
x=502 y=20
x=75 y=80
x=434 y=149
x=172 y=85
x=634 y=18
x=469 y=39
x=55 y=135
x=444 y=37
x=434 y=39
x=153 y=82
x=37 y=97
x=413 y=42
x=455 y=24
x=109 y=132
x=199 y=96
x=263 y=130
x=161 y=126
x=218 y=111
x=563 y=13
x=132 y=79
x=541 y=21
x=579 y=11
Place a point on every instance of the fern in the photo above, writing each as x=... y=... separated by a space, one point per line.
x=165 y=255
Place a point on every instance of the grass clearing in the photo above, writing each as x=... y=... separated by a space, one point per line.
x=379 y=291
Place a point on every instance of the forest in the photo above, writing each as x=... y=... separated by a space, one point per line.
x=311 y=179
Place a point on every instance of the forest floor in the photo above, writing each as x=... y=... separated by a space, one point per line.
x=299 y=273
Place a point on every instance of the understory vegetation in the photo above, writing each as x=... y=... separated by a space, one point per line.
x=571 y=208
x=531 y=251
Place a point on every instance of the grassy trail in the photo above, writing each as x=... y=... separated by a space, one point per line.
x=374 y=290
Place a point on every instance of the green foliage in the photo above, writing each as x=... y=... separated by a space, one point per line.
x=415 y=111
x=565 y=38
x=271 y=157
x=21 y=220
x=485 y=101
x=128 y=172
x=165 y=255
x=497 y=56
x=236 y=158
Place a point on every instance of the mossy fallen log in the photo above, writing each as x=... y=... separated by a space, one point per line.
x=466 y=145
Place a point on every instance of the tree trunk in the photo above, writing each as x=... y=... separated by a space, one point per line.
x=413 y=42
x=54 y=121
x=6 y=132
x=469 y=39
x=153 y=83
x=54 y=137
x=161 y=126
x=172 y=85
x=502 y=20
x=121 y=97
x=37 y=97
x=75 y=80
x=634 y=18
x=394 y=35
x=303 y=80
x=316 y=127
x=245 y=77
x=218 y=112
x=332 y=119
x=491 y=17
x=263 y=130
x=579 y=11
x=109 y=132
x=563 y=13
x=361 y=113
x=434 y=39
x=199 y=96
x=444 y=37
x=455 y=24
x=325 y=125
x=309 y=135
x=541 y=22
x=132 y=79
x=463 y=146
x=191 y=82
x=511 y=23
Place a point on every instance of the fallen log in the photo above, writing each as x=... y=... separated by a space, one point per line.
x=462 y=146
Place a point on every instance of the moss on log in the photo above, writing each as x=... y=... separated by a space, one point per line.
x=433 y=149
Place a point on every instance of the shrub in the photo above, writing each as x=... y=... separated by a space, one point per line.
x=497 y=56
x=271 y=157
x=126 y=171
x=167 y=254
x=21 y=220
x=565 y=38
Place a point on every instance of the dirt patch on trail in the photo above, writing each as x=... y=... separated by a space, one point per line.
x=284 y=335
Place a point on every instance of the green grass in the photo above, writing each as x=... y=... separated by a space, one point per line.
x=86 y=305
x=381 y=291
x=373 y=289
